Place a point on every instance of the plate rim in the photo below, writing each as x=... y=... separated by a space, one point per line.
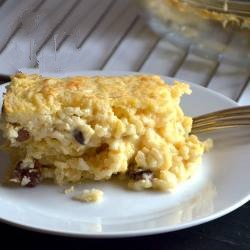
x=134 y=233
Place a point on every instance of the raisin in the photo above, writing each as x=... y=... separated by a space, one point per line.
x=2 y=109
x=102 y=148
x=33 y=174
x=78 y=135
x=138 y=174
x=37 y=165
x=23 y=135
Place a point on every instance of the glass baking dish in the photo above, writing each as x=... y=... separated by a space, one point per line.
x=216 y=29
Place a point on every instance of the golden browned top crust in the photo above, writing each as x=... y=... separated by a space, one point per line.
x=42 y=95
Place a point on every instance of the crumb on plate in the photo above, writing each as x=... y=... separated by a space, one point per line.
x=69 y=190
x=89 y=195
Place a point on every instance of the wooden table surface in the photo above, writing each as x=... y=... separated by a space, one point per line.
x=72 y=35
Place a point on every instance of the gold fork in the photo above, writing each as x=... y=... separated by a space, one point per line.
x=227 y=118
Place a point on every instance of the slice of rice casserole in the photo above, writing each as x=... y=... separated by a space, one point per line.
x=78 y=128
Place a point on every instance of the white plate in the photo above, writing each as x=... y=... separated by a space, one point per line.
x=220 y=186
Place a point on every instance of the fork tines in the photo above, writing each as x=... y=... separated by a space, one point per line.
x=232 y=117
